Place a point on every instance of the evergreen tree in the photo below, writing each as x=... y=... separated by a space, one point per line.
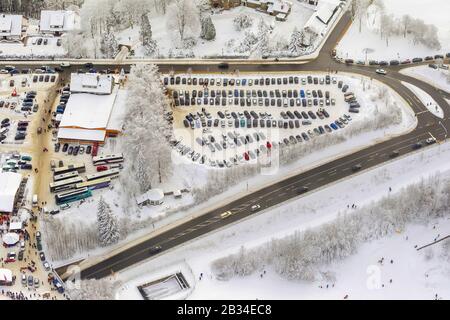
x=108 y=229
x=146 y=30
x=108 y=45
x=208 y=29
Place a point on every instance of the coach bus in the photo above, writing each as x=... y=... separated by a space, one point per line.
x=94 y=184
x=72 y=196
x=65 y=184
x=63 y=176
x=80 y=167
x=107 y=159
x=111 y=173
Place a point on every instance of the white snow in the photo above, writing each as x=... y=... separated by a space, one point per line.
x=9 y=185
x=439 y=78
x=355 y=44
x=414 y=277
x=427 y=100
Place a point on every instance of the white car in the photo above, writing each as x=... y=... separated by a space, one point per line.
x=256 y=207
x=65 y=64
x=64 y=206
x=381 y=71
x=430 y=140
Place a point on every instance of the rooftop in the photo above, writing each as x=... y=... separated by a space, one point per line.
x=9 y=185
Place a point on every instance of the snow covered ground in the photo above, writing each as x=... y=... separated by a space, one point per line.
x=427 y=100
x=227 y=37
x=356 y=44
x=415 y=274
x=192 y=175
x=439 y=78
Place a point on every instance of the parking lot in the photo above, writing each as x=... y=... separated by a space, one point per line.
x=223 y=120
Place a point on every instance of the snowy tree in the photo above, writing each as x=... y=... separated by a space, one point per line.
x=149 y=44
x=183 y=16
x=92 y=289
x=297 y=41
x=108 y=45
x=145 y=32
x=242 y=21
x=208 y=29
x=147 y=131
x=108 y=229
x=262 y=46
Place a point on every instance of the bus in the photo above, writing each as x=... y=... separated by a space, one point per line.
x=72 y=196
x=112 y=173
x=65 y=184
x=107 y=159
x=63 y=176
x=80 y=167
x=94 y=184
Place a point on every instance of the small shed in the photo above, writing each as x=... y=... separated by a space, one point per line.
x=153 y=197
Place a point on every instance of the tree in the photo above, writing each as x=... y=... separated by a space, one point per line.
x=183 y=16
x=147 y=131
x=297 y=41
x=150 y=45
x=108 y=45
x=108 y=229
x=146 y=30
x=92 y=289
x=242 y=21
x=208 y=29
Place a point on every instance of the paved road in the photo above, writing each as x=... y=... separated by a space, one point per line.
x=428 y=125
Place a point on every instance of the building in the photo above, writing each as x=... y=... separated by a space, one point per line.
x=94 y=83
x=10 y=183
x=225 y=4
x=318 y=23
x=94 y=111
x=58 y=22
x=13 y=27
x=278 y=8
x=152 y=197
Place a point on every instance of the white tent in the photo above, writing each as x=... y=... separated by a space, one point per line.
x=9 y=185
x=10 y=238
x=5 y=277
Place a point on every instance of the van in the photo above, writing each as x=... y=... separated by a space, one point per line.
x=35 y=200
x=52 y=164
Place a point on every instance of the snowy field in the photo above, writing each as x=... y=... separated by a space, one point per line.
x=356 y=44
x=437 y=77
x=227 y=37
x=414 y=274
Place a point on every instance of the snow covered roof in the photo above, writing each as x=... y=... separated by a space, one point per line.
x=152 y=195
x=325 y=12
x=81 y=134
x=59 y=21
x=278 y=7
x=10 y=25
x=5 y=275
x=88 y=111
x=15 y=225
x=314 y=25
x=10 y=182
x=10 y=238
x=91 y=83
x=118 y=111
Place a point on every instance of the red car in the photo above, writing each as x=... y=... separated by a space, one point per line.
x=246 y=157
x=102 y=168
x=268 y=145
x=95 y=149
x=11 y=257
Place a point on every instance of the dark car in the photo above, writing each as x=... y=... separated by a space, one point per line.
x=89 y=65
x=356 y=167
x=394 y=62
x=416 y=60
x=88 y=149
x=155 y=249
x=70 y=151
x=65 y=147
x=417 y=145
x=42 y=256
x=394 y=154
x=223 y=65
x=302 y=190
x=57 y=147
